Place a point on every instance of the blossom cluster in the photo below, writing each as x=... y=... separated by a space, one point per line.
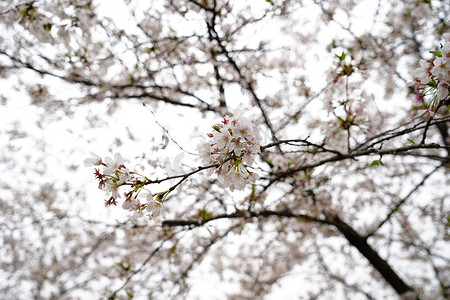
x=435 y=74
x=115 y=175
x=232 y=147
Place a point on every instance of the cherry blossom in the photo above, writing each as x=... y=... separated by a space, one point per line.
x=434 y=76
x=442 y=90
x=423 y=73
x=233 y=145
x=95 y=160
x=113 y=165
x=440 y=68
x=132 y=203
x=155 y=208
x=113 y=188
x=113 y=176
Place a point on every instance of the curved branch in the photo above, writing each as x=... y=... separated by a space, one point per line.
x=355 y=239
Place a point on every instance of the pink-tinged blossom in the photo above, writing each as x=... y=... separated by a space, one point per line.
x=113 y=188
x=127 y=205
x=251 y=150
x=445 y=51
x=442 y=90
x=237 y=179
x=149 y=196
x=435 y=74
x=236 y=145
x=114 y=174
x=441 y=68
x=252 y=177
x=113 y=165
x=94 y=160
x=233 y=145
x=446 y=37
x=156 y=209
x=204 y=150
x=124 y=176
x=423 y=73
x=222 y=138
x=131 y=203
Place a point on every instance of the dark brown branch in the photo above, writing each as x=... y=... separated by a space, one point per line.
x=356 y=240
x=247 y=84
x=395 y=132
x=305 y=142
x=360 y=243
x=353 y=155
x=116 y=88
x=429 y=122
x=29 y=66
x=182 y=176
x=243 y=215
x=443 y=130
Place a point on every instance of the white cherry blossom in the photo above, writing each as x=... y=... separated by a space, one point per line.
x=94 y=160
x=124 y=177
x=233 y=145
x=423 y=73
x=441 y=68
x=156 y=209
x=113 y=188
x=132 y=203
x=442 y=90
x=435 y=74
x=113 y=165
x=222 y=138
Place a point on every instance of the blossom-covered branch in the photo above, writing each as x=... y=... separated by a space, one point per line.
x=230 y=150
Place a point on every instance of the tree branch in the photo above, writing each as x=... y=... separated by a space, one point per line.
x=401 y=202
x=356 y=240
x=240 y=214
x=353 y=155
x=360 y=243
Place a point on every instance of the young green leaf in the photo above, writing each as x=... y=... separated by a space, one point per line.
x=437 y=53
x=377 y=163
